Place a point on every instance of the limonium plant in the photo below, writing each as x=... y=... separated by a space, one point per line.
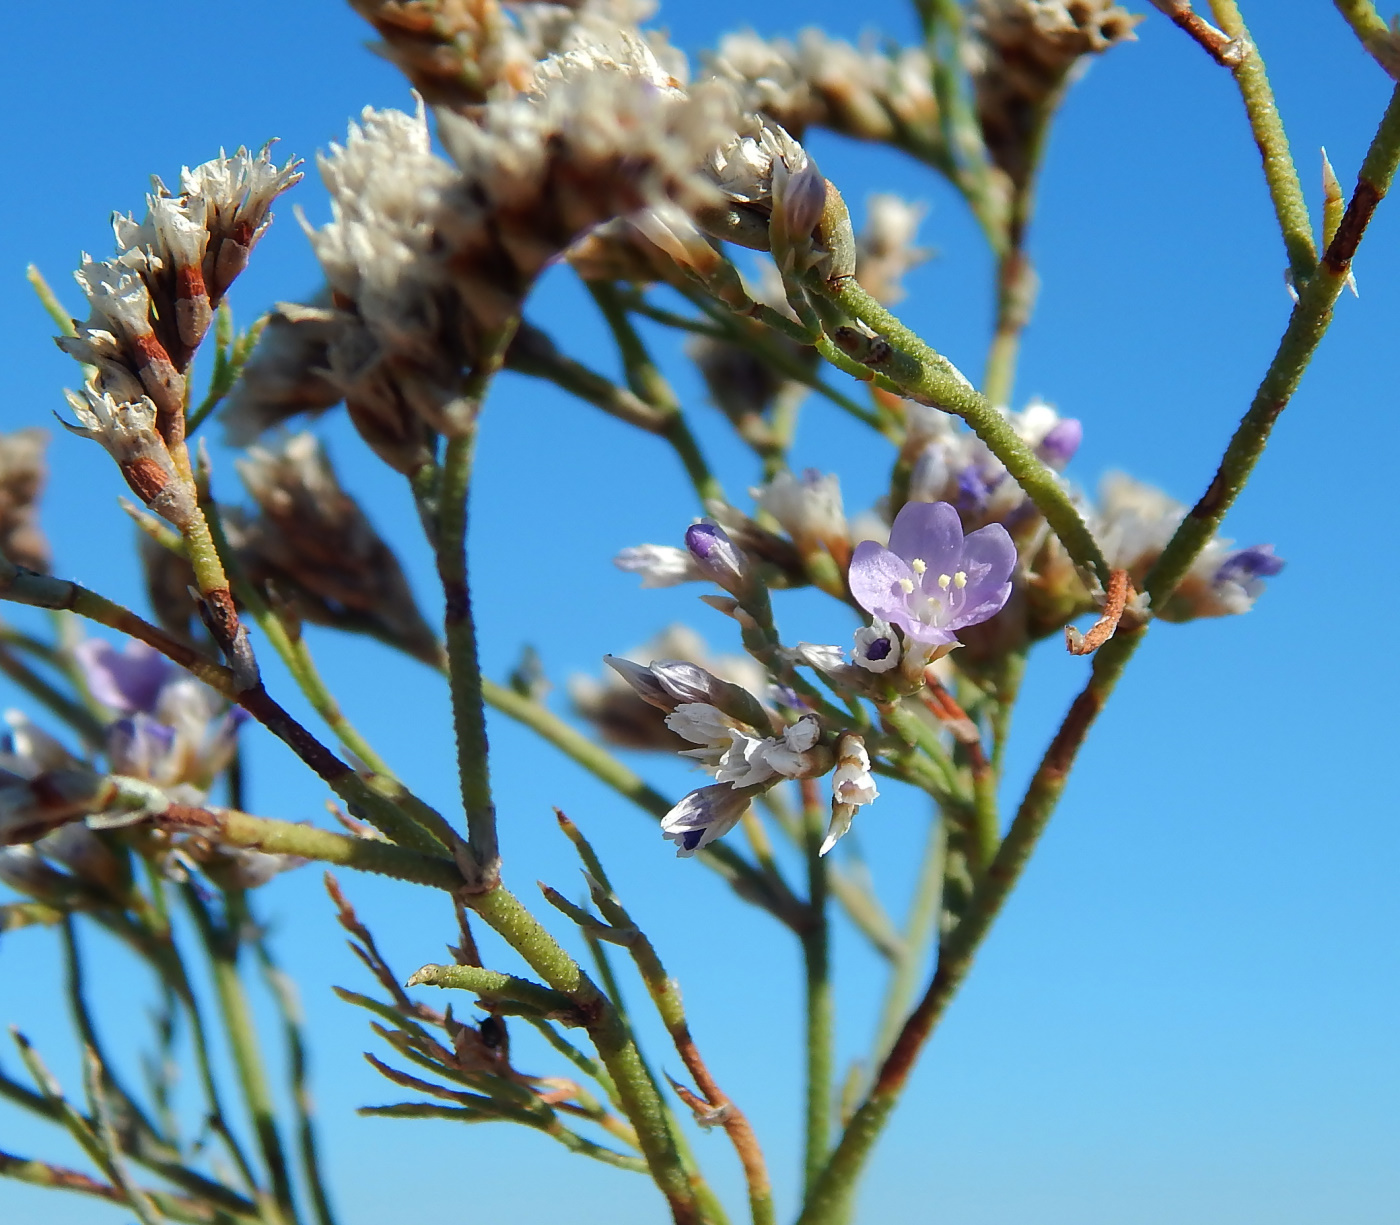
x=534 y=136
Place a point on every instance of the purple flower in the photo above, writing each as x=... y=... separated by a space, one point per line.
x=1060 y=443
x=717 y=557
x=128 y=680
x=933 y=581
x=140 y=747
x=1249 y=565
x=703 y=816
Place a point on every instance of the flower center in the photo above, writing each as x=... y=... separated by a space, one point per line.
x=934 y=606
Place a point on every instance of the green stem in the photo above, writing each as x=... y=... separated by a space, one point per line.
x=819 y=1003
x=666 y=998
x=232 y=828
x=459 y=628
x=87 y=1031
x=1306 y=326
x=908 y=968
x=827 y=1199
x=221 y=944
x=284 y=992
x=49 y=300
x=1285 y=190
x=615 y=1045
x=463 y=664
x=934 y=381
x=534 y=353
x=1375 y=35
x=647 y=382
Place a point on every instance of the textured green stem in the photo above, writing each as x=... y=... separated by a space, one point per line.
x=826 y=1200
x=926 y=375
x=907 y=969
x=274 y=837
x=665 y=996
x=1371 y=28
x=819 y=1004
x=1306 y=326
x=534 y=353
x=463 y=664
x=1285 y=190
x=647 y=382
x=615 y=1045
x=491 y=984
x=221 y=943
x=284 y=992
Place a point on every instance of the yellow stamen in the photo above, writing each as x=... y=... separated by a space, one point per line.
x=906 y=586
x=960 y=580
x=918 y=565
x=943 y=581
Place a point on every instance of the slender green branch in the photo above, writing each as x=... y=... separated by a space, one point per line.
x=449 y=539
x=284 y=992
x=919 y=927
x=614 y=1043
x=492 y=985
x=221 y=944
x=713 y=1103
x=927 y=376
x=647 y=382
x=87 y=1031
x=534 y=353
x=825 y=1202
x=820 y=1005
x=1281 y=174
x=273 y=837
x=1306 y=326
x=49 y=300
x=1375 y=35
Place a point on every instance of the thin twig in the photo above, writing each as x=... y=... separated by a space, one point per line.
x=1120 y=591
x=1224 y=50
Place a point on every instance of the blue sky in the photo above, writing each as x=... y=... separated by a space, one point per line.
x=1188 y=1010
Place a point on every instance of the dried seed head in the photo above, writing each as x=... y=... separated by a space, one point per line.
x=1023 y=55
x=128 y=432
x=152 y=304
x=457 y=53
x=287 y=374
x=22 y=475
x=599 y=138
x=315 y=545
x=821 y=81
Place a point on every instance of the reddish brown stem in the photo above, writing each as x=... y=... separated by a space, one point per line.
x=1120 y=591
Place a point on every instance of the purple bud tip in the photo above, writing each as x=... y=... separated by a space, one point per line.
x=804 y=200
x=1061 y=441
x=717 y=557
x=879 y=649
x=1256 y=562
x=706 y=540
x=691 y=839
